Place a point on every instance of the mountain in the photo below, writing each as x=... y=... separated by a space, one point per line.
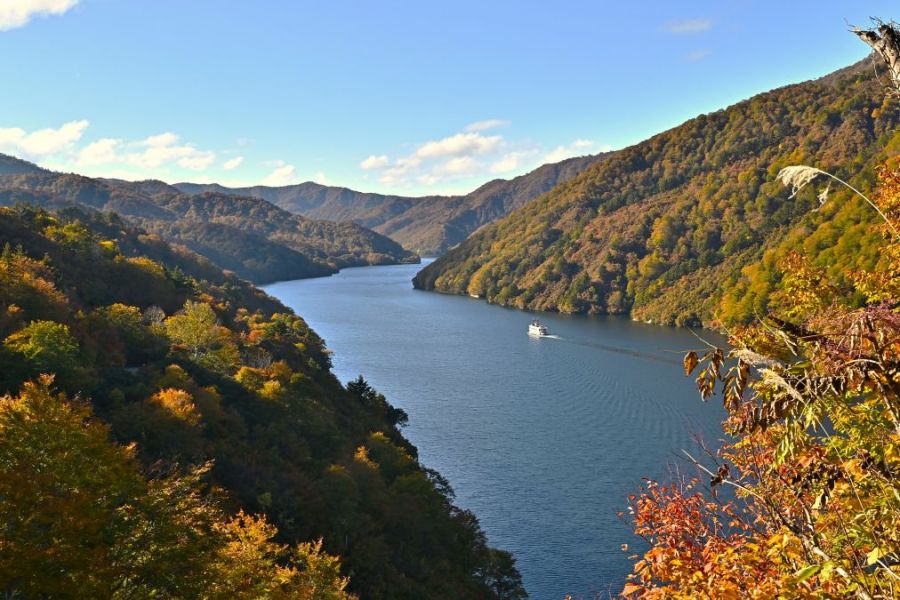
x=10 y=165
x=690 y=224
x=178 y=363
x=428 y=225
x=255 y=239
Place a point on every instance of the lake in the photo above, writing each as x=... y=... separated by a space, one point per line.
x=542 y=438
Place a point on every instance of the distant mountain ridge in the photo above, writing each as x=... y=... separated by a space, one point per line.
x=252 y=237
x=428 y=225
x=689 y=225
x=10 y=165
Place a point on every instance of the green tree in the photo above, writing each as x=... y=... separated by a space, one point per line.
x=502 y=577
x=47 y=346
x=360 y=388
x=78 y=519
x=197 y=329
x=61 y=483
x=283 y=434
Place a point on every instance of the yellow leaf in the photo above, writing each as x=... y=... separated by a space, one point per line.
x=806 y=572
x=873 y=556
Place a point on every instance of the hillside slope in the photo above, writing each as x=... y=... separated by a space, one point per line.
x=250 y=236
x=663 y=229
x=182 y=364
x=428 y=225
x=10 y=165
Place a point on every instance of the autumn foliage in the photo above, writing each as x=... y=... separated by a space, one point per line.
x=194 y=441
x=813 y=399
x=689 y=226
x=78 y=517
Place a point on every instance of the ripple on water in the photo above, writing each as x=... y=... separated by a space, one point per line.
x=542 y=438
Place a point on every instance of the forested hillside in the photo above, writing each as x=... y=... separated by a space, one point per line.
x=249 y=236
x=168 y=377
x=686 y=226
x=10 y=165
x=811 y=391
x=428 y=225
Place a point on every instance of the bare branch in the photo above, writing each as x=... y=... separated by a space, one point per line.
x=884 y=39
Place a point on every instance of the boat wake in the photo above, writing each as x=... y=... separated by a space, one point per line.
x=616 y=350
x=604 y=347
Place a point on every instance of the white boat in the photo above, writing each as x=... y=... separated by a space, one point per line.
x=537 y=329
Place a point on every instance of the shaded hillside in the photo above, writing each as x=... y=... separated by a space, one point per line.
x=664 y=228
x=240 y=252
x=313 y=200
x=180 y=364
x=10 y=165
x=250 y=236
x=428 y=225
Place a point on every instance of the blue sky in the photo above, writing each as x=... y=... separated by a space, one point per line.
x=402 y=97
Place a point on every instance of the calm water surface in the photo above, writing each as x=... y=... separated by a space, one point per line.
x=542 y=438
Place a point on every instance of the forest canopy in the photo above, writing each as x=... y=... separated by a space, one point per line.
x=811 y=462
x=249 y=236
x=687 y=227
x=167 y=429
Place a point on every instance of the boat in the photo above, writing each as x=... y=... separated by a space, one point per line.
x=537 y=329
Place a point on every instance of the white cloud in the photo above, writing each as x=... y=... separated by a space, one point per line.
x=452 y=169
x=375 y=162
x=407 y=163
x=160 y=141
x=158 y=150
x=102 y=152
x=397 y=173
x=486 y=124
x=688 y=26
x=198 y=161
x=557 y=154
x=16 y=13
x=60 y=147
x=458 y=145
x=282 y=175
x=576 y=148
x=461 y=159
x=156 y=156
x=320 y=178
x=43 y=141
x=434 y=161
x=392 y=178
x=510 y=162
x=461 y=165
x=234 y=163
x=428 y=179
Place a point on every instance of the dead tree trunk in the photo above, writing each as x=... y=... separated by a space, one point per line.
x=885 y=41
